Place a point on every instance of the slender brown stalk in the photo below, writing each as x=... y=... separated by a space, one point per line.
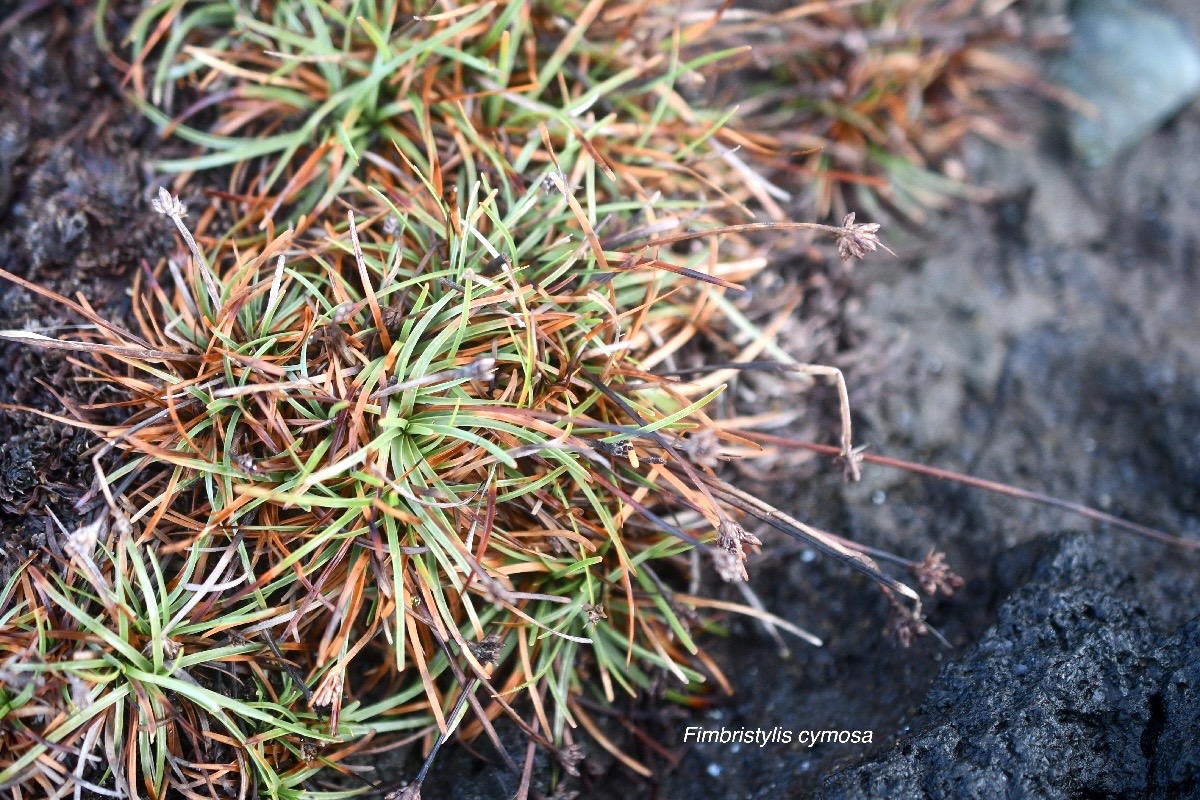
x=981 y=483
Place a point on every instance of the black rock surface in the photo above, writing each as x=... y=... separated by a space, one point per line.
x=1073 y=693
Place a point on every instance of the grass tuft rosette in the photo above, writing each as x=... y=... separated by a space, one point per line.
x=399 y=469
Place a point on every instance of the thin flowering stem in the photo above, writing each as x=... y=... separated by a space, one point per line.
x=170 y=206
x=854 y=240
x=980 y=483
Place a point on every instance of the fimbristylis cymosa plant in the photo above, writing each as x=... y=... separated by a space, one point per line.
x=376 y=478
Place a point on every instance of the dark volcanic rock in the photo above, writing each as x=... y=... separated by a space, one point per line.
x=1071 y=694
x=1172 y=740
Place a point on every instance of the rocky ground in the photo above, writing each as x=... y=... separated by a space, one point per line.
x=74 y=217
x=1074 y=692
x=1048 y=339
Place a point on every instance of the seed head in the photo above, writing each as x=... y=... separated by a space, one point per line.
x=729 y=566
x=121 y=523
x=343 y=313
x=328 y=694
x=619 y=449
x=703 y=448
x=731 y=536
x=570 y=758
x=856 y=240
x=488 y=649
x=168 y=204
x=905 y=625
x=935 y=576
x=81 y=693
x=82 y=542
x=171 y=649
x=480 y=369
x=247 y=464
x=554 y=183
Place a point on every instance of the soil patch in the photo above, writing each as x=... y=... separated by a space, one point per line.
x=74 y=219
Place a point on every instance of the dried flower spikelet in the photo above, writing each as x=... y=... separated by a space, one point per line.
x=328 y=694
x=82 y=542
x=729 y=566
x=554 y=182
x=618 y=450
x=595 y=613
x=934 y=575
x=121 y=523
x=746 y=536
x=171 y=649
x=851 y=462
x=343 y=313
x=392 y=318
x=330 y=688
x=487 y=650
x=703 y=448
x=571 y=757
x=731 y=536
x=481 y=369
x=856 y=240
x=405 y=792
x=168 y=204
x=247 y=464
x=81 y=693
x=905 y=625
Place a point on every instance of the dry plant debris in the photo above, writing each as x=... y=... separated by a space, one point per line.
x=865 y=103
